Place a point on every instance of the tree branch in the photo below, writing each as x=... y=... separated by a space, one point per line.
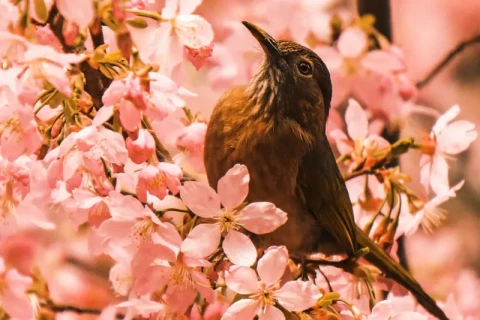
x=443 y=63
x=93 y=83
x=59 y=308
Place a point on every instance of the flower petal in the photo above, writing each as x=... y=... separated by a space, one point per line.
x=102 y=116
x=439 y=175
x=233 y=186
x=298 y=295
x=456 y=137
x=203 y=286
x=79 y=12
x=244 y=309
x=445 y=118
x=270 y=313
x=261 y=217
x=201 y=199
x=383 y=62
x=356 y=119
x=152 y=279
x=193 y=31
x=239 y=249
x=352 y=42
x=272 y=265
x=344 y=145
x=202 y=241
x=242 y=280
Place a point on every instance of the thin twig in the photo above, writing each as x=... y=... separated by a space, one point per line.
x=349 y=176
x=460 y=47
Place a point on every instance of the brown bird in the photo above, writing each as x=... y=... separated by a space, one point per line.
x=275 y=125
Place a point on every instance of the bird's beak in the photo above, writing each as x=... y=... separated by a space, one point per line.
x=268 y=43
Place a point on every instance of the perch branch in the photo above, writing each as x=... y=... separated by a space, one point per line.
x=443 y=63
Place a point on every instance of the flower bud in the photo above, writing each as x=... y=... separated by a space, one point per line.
x=142 y=148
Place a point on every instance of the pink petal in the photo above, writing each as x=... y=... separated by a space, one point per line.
x=410 y=315
x=239 y=249
x=79 y=12
x=130 y=117
x=244 y=309
x=114 y=93
x=201 y=199
x=425 y=171
x=270 y=313
x=341 y=140
x=383 y=62
x=102 y=116
x=356 y=119
x=456 y=137
x=180 y=296
x=439 y=175
x=261 y=217
x=56 y=75
x=142 y=305
x=203 y=286
x=202 y=241
x=147 y=253
x=233 y=186
x=445 y=118
x=298 y=295
x=272 y=265
x=193 y=30
x=330 y=56
x=154 y=278
x=242 y=280
x=352 y=42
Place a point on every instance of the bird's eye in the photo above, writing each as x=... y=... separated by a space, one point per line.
x=305 y=68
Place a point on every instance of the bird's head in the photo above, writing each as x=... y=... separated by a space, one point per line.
x=290 y=73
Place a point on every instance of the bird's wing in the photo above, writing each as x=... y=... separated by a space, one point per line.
x=322 y=188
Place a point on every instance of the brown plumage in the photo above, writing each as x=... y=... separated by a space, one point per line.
x=275 y=126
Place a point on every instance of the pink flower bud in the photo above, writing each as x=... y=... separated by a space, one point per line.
x=198 y=57
x=142 y=148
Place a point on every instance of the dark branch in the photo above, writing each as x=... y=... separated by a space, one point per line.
x=462 y=46
x=59 y=308
x=93 y=83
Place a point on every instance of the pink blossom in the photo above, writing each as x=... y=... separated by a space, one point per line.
x=157 y=178
x=18 y=130
x=359 y=143
x=430 y=216
x=141 y=148
x=398 y=308
x=166 y=96
x=162 y=43
x=8 y=14
x=191 y=141
x=180 y=273
x=95 y=204
x=13 y=293
x=198 y=57
x=79 y=12
x=257 y=217
x=446 y=138
x=132 y=223
x=264 y=293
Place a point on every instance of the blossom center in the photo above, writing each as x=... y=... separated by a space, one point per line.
x=228 y=220
x=143 y=229
x=181 y=275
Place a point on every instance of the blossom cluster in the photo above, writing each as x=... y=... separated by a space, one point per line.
x=102 y=160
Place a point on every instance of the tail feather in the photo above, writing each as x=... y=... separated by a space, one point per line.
x=395 y=271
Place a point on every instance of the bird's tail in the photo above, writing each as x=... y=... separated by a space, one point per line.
x=395 y=271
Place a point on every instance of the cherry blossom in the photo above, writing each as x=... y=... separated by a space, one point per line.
x=179 y=272
x=191 y=141
x=264 y=293
x=81 y=13
x=257 y=217
x=447 y=138
x=141 y=148
x=359 y=143
x=13 y=293
x=430 y=216
x=156 y=179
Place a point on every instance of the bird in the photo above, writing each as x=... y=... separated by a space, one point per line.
x=275 y=125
